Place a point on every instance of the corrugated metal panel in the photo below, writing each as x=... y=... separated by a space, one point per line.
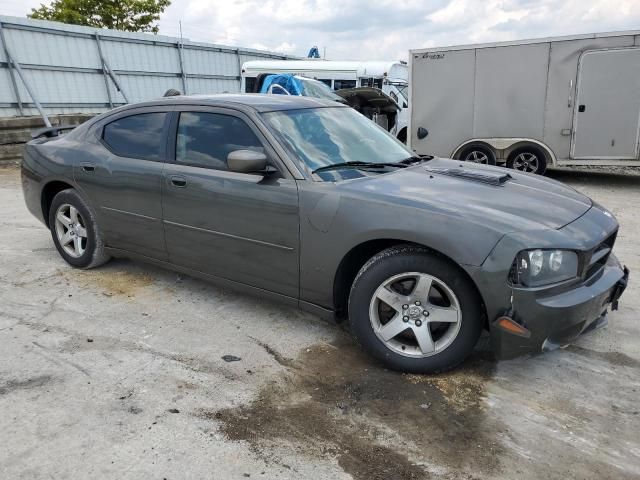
x=208 y=62
x=207 y=86
x=139 y=88
x=36 y=48
x=63 y=67
x=140 y=57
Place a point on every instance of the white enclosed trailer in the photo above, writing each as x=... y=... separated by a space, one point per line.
x=530 y=104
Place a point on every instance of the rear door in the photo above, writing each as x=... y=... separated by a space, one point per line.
x=607 y=105
x=241 y=227
x=122 y=176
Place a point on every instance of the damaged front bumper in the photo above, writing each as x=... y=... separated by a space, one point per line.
x=554 y=319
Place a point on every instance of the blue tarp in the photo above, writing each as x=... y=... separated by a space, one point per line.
x=286 y=80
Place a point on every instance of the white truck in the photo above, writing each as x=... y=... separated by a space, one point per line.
x=390 y=77
x=529 y=104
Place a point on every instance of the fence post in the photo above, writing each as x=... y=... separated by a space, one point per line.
x=107 y=68
x=239 y=71
x=104 y=72
x=183 y=74
x=11 y=73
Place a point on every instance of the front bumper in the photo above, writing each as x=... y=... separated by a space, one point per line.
x=556 y=319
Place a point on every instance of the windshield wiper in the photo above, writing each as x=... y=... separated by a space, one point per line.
x=416 y=159
x=359 y=165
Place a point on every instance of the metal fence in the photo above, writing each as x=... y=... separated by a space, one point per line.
x=49 y=67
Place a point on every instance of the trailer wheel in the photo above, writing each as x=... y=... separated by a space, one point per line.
x=477 y=153
x=528 y=159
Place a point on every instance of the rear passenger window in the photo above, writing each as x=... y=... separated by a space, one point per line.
x=205 y=139
x=138 y=136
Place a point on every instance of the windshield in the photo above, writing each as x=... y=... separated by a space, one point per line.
x=314 y=88
x=327 y=136
x=404 y=91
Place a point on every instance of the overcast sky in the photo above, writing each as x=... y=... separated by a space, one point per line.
x=375 y=30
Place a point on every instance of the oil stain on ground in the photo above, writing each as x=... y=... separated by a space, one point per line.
x=114 y=282
x=334 y=402
x=29 y=383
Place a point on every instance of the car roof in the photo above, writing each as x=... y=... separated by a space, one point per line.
x=253 y=101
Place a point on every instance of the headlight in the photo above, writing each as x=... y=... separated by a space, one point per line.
x=534 y=268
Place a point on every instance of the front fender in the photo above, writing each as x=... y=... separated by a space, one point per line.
x=332 y=225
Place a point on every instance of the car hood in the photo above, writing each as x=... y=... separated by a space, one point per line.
x=360 y=97
x=497 y=198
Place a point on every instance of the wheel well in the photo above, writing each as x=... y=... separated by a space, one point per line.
x=458 y=153
x=516 y=148
x=49 y=191
x=359 y=255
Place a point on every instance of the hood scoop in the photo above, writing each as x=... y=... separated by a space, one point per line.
x=483 y=176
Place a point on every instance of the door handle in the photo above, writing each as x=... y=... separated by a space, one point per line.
x=178 y=181
x=581 y=108
x=88 y=167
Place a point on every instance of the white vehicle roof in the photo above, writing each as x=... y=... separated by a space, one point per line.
x=394 y=70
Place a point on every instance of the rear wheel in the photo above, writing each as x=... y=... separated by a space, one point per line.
x=75 y=231
x=414 y=310
x=478 y=153
x=529 y=160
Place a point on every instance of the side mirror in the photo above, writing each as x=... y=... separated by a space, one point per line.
x=247 y=161
x=422 y=133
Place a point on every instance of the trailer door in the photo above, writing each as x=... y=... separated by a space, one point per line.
x=607 y=108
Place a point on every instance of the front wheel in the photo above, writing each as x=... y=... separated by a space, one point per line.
x=414 y=310
x=75 y=231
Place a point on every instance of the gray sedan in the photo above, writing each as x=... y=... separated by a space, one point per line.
x=309 y=202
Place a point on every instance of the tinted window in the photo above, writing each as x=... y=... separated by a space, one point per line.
x=340 y=84
x=137 y=136
x=371 y=82
x=205 y=139
x=249 y=84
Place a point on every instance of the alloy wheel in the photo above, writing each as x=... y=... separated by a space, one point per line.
x=415 y=314
x=526 y=162
x=71 y=230
x=477 y=156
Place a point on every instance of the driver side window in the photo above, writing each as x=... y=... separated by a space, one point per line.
x=206 y=139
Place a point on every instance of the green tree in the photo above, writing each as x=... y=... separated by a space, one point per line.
x=128 y=15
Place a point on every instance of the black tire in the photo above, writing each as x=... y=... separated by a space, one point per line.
x=402 y=135
x=522 y=160
x=94 y=254
x=477 y=153
x=396 y=261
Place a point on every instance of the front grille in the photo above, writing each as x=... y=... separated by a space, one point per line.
x=598 y=256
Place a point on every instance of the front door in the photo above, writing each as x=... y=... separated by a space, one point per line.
x=241 y=227
x=607 y=105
